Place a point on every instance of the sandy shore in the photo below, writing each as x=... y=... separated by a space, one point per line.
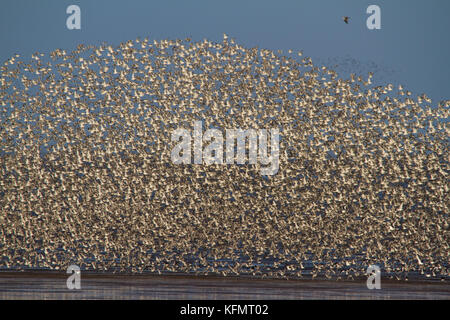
x=38 y=285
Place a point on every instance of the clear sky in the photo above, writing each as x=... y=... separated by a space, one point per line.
x=412 y=48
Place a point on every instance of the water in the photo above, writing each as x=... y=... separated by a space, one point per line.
x=51 y=286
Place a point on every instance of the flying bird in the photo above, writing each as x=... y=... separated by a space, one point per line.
x=347 y=146
x=345 y=19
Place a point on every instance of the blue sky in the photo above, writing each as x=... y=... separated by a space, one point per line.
x=412 y=48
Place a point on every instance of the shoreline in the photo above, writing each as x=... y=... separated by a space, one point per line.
x=392 y=278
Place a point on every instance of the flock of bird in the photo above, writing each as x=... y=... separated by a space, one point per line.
x=86 y=176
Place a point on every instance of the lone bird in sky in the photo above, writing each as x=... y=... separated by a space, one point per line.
x=345 y=19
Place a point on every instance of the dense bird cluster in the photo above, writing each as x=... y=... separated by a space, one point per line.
x=86 y=176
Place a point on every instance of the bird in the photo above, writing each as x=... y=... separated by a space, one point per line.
x=346 y=19
x=86 y=174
